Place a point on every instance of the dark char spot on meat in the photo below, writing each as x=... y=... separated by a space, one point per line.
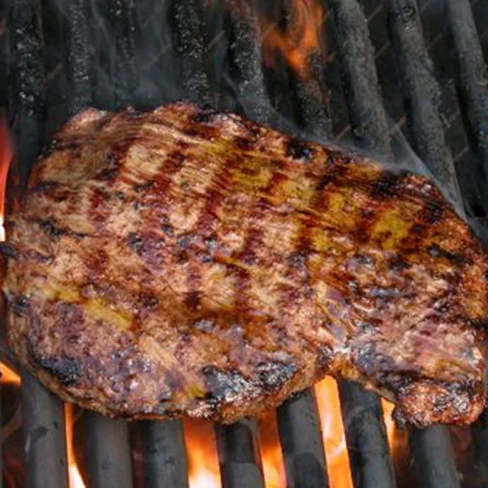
x=370 y=361
x=386 y=185
x=205 y=115
x=67 y=370
x=21 y=305
x=224 y=385
x=144 y=186
x=193 y=300
x=437 y=252
x=299 y=150
x=273 y=375
x=8 y=250
x=148 y=301
x=51 y=230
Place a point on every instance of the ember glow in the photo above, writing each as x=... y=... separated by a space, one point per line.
x=300 y=39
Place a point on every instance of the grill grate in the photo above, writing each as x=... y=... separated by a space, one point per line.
x=53 y=77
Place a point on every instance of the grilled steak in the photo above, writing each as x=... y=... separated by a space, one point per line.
x=182 y=262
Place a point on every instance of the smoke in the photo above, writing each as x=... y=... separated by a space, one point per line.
x=274 y=62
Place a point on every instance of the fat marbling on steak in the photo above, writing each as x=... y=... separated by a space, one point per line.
x=183 y=262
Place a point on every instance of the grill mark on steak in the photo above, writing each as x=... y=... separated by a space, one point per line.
x=150 y=307
x=253 y=241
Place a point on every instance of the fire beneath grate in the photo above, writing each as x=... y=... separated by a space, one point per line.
x=383 y=76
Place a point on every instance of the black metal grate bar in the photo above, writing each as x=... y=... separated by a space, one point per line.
x=473 y=88
x=361 y=86
x=45 y=441
x=239 y=455
x=113 y=29
x=361 y=411
x=431 y=448
x=298 y=418
x=190 y=46
x=245 y=60
x=366 y=437
x=154 y=54
x=108 y=457
x=43 y=413
x=433 y=457
x=311 y=89
x=163 y=448
x=421 y=92
x=301 y=442
x=78 y=55
x=26 y=81
x=124 y=74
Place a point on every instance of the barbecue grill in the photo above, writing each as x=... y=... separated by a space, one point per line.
x=392 y=71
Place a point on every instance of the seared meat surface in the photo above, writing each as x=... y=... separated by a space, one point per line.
x=186 y=262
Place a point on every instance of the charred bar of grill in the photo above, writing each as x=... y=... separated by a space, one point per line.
x=26 y=81
x=301 y=441
x=108 y=457
x=190 y=46
x=245 y=61
x=298 y=418
x=431 y=448
x=43 y=414
x=78 y=56
x=361 y=87
x=368 y=446
x=421 y=92
x=239 y=456
x=361 y=416
x=44 y=433
x=473 y=87
x=311 y=90
x=165 y=462
x=433 y=457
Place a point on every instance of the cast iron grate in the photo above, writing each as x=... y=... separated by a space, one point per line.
x=390 y=67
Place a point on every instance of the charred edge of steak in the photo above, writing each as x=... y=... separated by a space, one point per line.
x=65 y=369
x=426 y=401
x=230 y=386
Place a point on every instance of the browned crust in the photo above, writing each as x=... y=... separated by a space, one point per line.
x=185 y=262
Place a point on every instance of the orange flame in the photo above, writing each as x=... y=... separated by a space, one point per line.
x=203 y=461
x=6 y=155
x=333 y=433
x=9 y=376
x=271 y=454
x=203 y=457
x=75 y=479
x=299 y=40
